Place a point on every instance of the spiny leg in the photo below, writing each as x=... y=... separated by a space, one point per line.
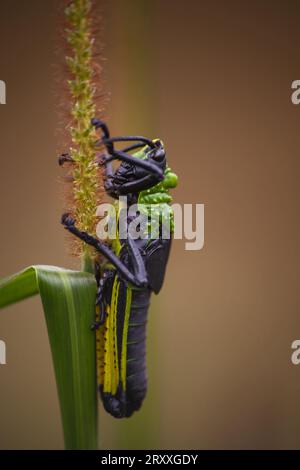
x=145 y=164
x=148 y=178
x=98 y=124
x=133 y=147
x=99 y=296
x=108 y=141
x=134 y=186
x=138 y=278
x=64 y=158
x=129 y=138
x=108 y=173
x=102 y=283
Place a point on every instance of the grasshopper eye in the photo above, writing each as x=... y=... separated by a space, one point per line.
x=159 y=153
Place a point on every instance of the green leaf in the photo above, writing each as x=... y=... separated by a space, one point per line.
x=68 y=298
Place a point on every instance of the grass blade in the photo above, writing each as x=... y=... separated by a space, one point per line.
x=68 y=299
x=18 y=287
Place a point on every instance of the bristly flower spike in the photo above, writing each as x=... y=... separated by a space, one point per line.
x=86 y=180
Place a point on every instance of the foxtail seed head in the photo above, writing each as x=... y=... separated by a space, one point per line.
x=86 y=177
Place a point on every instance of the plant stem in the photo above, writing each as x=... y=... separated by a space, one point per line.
x=86 y=178
x=87 y=264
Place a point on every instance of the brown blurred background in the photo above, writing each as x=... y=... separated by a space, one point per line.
x=213 y=80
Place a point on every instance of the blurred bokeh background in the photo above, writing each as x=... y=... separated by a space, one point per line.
x=213 y=80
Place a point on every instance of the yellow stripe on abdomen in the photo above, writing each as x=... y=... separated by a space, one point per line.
x=110 y=359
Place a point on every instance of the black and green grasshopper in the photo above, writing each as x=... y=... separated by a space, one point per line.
x=134 y=269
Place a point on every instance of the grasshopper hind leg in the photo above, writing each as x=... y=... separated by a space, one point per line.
x=103 y=292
